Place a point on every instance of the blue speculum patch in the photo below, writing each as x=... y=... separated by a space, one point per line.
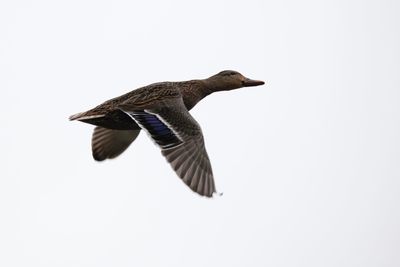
x=159 y=131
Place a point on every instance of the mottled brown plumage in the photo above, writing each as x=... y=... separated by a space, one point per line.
x=161 y=109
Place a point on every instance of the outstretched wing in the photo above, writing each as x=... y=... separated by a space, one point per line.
x=179 y=136
x=109 y=143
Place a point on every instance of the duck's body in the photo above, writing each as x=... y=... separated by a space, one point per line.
x=162 y=110
x=110 y=116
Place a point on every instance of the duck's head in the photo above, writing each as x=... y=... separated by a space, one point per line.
x=229 y=80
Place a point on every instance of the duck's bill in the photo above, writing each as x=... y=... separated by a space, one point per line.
x=250 y=82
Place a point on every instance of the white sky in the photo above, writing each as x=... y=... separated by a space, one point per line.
x=308 y=164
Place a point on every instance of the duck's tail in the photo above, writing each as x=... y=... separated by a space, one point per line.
x=83 y=116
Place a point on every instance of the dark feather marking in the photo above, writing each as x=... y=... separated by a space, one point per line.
x=159 y=131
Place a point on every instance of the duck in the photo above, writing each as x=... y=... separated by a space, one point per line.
x=162 y=111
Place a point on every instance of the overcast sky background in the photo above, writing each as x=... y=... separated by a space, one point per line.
x=309 y=163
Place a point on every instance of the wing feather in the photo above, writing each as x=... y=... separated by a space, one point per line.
x=181 y=141
x=109 y=143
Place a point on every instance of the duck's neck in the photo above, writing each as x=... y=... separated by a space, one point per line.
x=194 y=91
x=213 y=84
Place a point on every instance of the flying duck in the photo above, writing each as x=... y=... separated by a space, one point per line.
x=162 y=110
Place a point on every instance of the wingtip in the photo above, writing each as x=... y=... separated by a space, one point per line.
x=213 y=195
x=217 y=194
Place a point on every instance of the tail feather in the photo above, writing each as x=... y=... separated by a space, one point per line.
x=82 y=116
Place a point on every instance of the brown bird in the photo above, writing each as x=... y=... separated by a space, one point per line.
x=162 y=110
